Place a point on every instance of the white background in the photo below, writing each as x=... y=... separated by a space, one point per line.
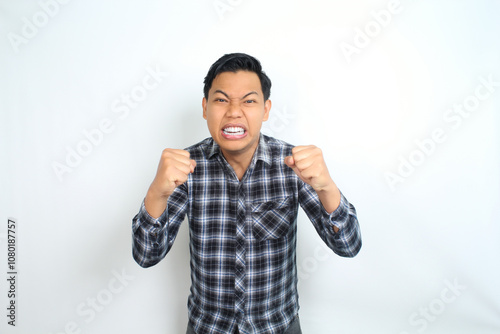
x=429 y=262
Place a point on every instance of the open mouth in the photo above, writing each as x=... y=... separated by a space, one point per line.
x=234 y=132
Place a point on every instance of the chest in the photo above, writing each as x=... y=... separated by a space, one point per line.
x=263 y=204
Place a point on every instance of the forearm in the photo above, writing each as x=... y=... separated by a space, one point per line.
x=154 y=232
x=330 y=199
x=155 y=203
x=346 y=241
x=339 y=228
x=149 y=239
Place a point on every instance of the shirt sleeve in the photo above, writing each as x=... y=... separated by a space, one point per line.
x=153 y=238
x=347 y=241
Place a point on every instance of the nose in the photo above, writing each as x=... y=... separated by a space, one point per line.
x=234 y=110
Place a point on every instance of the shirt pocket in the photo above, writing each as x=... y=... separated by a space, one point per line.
x=271 y=220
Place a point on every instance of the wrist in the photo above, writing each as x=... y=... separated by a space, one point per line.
x=329 y=197
x=156 y=194
x=328 y=187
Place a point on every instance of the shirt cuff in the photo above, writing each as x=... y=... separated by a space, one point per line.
x=146 y=219
x=340 y=216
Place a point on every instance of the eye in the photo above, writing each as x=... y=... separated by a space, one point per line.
x=250 y=101
x=220 y=100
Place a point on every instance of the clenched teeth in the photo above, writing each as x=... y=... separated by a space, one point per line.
x=234 y=130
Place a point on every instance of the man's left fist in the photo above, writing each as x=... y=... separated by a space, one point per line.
x=308 y=163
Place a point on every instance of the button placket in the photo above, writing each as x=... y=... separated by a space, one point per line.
x=240 y=261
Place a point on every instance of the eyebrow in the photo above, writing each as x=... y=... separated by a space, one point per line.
x=226 y=95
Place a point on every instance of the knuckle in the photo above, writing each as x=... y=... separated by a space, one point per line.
x=166 y=153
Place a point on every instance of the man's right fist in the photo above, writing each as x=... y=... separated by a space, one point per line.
x=173 y=170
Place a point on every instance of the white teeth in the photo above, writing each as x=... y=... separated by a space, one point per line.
x=234 y=130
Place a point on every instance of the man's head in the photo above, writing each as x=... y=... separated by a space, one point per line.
x=235 y=104
x=234 y=62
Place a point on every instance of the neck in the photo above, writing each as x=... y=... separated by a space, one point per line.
x=239 y=161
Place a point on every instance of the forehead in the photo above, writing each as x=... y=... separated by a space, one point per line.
x=237 y=82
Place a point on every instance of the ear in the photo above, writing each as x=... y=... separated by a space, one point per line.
x=204 y=106
x=267 y=108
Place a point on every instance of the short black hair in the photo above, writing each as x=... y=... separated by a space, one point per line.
x=234 y=62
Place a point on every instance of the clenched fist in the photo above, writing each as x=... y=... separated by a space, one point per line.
x=309 y=165
x=173 y=170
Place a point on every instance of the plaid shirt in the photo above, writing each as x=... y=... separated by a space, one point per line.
x=242 y=238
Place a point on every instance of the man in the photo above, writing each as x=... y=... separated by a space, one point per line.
x=241 y=191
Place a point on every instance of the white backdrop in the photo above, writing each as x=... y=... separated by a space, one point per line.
x=402 y=96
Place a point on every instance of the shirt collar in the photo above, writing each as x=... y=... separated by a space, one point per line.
x=263 y=151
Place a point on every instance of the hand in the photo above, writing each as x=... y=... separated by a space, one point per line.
x=173 y=170
x=309 y=165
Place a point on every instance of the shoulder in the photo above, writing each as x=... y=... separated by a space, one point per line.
x=277 y=148
x=201 y=149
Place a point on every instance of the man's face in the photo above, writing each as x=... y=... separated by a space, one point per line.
x=235 y=110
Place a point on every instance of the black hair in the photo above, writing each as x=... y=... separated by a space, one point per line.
x=234 y=62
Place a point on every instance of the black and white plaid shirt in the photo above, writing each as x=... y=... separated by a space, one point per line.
x=242 y=237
